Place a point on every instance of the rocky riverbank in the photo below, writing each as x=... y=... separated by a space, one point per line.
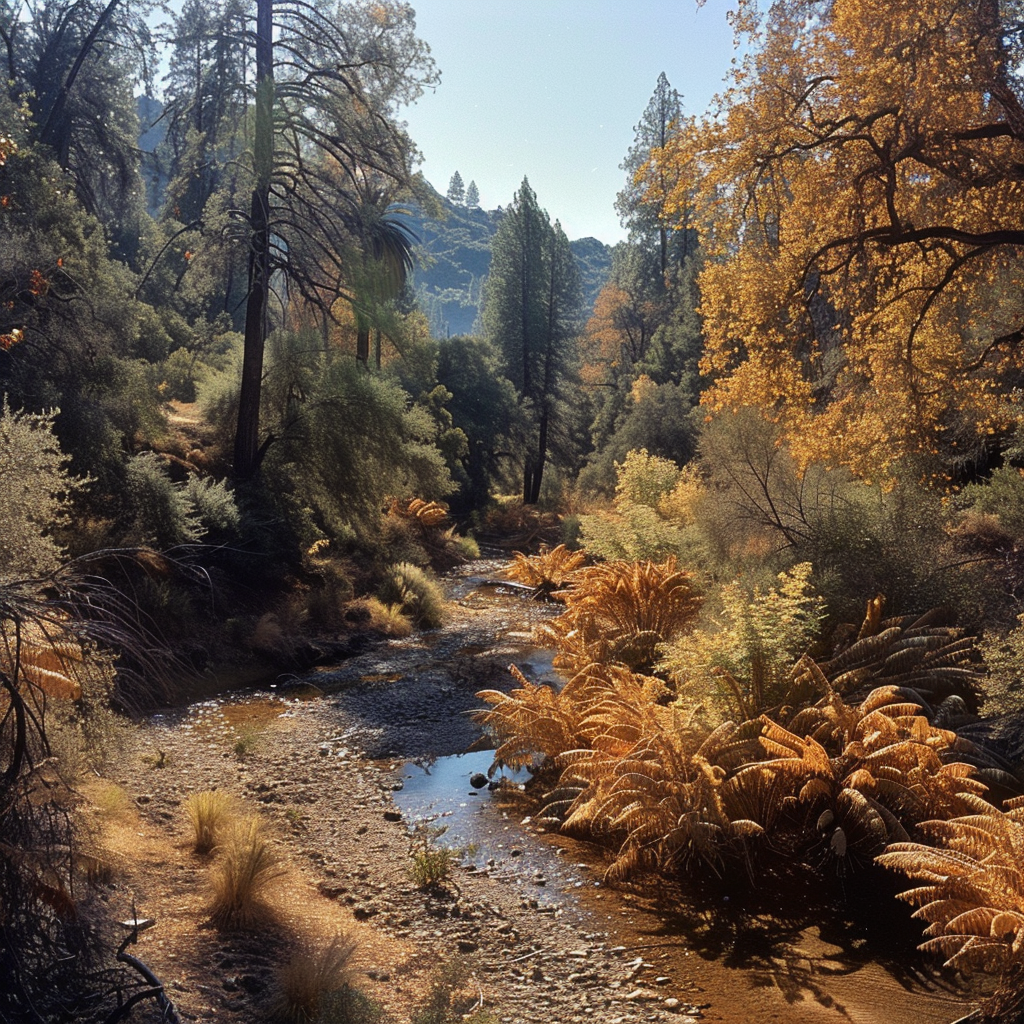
x=321 y=759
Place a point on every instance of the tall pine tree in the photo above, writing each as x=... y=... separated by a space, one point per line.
x=532 y=315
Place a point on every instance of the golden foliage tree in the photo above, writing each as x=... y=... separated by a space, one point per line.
x=885 y=319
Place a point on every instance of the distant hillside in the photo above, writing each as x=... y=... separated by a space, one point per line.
x=454 y=257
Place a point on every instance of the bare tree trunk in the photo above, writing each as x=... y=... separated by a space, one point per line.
x=248 y=453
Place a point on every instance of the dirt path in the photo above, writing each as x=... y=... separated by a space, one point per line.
x=558 y=947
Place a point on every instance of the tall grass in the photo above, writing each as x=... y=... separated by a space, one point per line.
x=208 y=813
x=310 y=976
x=247 y=868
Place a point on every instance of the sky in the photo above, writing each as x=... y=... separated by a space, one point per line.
x=552 y=90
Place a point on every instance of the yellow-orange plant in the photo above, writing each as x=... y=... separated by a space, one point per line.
x=619 y=612
x=863 y=774
x=548 y=571
x=971 y=893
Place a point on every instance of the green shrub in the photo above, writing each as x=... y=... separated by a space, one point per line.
x=213 y=505
x=36 y=493
x=178 y=371
x=1002 y=495
x=742 y=659
x=158 y=509
x=431 y=863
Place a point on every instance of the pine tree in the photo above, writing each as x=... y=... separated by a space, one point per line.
x=664 y=110
x=456 y=190
x=532 y=315
x=472 y=196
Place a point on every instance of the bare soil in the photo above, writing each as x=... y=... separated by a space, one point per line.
x=321 y=764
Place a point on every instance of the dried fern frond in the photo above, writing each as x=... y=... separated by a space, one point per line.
x=973 y=899
x=619 y=612
x=547 y=571
x=44 y=656
x=427 y=514
x=920 y=652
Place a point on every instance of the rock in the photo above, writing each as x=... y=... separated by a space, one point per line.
x=467 y=946
x=364 y=911
x=478 y=780
x=392 y=815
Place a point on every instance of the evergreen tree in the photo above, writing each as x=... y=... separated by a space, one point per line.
x=205 y=101
x=664 y=110
x=456 y=190
x=74 y=64
x=532 y=315
x=472 y=196
x=327 y=154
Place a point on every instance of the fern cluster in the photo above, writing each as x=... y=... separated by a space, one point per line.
x=547 y=571
x=619 y=613
x=857 y=758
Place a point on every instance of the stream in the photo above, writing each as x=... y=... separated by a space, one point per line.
x=815 y=954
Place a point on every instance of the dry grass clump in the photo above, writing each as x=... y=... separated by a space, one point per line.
x=388 y=619
x=547 y=571
x=110 y=799
x=247 y=867
x=312 y=974
x=619 y=612
x=209 y=813
x=416 y=593
x=972 y=895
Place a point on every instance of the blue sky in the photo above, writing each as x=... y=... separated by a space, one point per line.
x=552 y=89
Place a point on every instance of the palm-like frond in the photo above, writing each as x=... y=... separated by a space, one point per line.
x=916 y=652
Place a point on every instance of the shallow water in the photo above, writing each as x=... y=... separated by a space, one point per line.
x=793 y=957
x=487 y=825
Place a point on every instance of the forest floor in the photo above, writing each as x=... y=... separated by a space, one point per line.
x=322 y=760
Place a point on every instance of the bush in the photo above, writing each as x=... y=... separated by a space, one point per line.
x=741 y=662
x=36 y=493
x=158 y=509
x=617 y=613
x=416 y=593
x=655 y=511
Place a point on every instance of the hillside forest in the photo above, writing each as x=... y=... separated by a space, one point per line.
x=263 y=384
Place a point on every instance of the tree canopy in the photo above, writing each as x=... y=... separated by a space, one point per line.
x=859 y=192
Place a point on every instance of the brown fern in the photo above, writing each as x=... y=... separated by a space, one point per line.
x=548 y=571
x=973 y=894
x=619 y=612
x=862 y=775
x=920 y=653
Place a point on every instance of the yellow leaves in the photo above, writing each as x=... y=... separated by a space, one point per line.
x=853 y=131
